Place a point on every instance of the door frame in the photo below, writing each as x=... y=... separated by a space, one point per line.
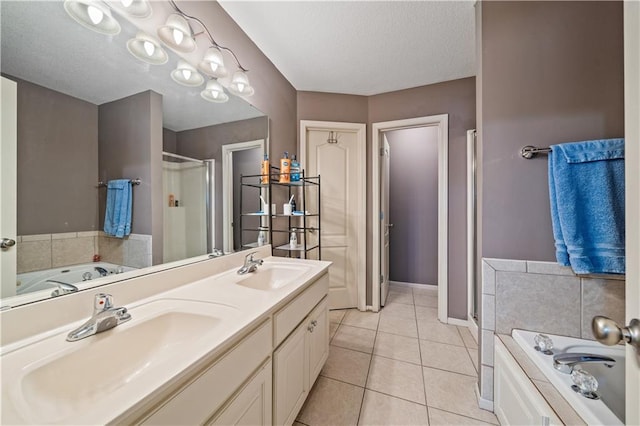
x=361 y=227
x=472 y=205
x=440 y=121
x=227 y=187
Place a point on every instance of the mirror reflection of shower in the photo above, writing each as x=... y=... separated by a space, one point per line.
x=188 y=223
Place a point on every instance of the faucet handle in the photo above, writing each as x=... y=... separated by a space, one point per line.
x=102 y=302
x=249 y=257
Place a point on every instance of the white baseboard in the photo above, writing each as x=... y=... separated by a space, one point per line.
x=485 y=404
x=414 y=285
x=456 y=321
x=473 y=328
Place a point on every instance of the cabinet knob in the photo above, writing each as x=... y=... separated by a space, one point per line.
x=314 y=323
x=310 y=328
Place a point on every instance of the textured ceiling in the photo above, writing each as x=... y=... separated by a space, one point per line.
x=362 y=47
x=43 y=45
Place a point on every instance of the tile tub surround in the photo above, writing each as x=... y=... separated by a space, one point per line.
x=543 y=297
x=46 y=251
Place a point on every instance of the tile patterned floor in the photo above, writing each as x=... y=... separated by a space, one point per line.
x=399 y=366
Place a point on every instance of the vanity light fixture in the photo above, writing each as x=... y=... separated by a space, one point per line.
x=93 y=15
x=214 y=92
x=186 y=75
x=177 y=34
x=240 y=84
x=133 y=8
x=212 y=63
x=147 y=49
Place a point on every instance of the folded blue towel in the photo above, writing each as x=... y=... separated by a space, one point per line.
x=586 y=190
x=117 y=217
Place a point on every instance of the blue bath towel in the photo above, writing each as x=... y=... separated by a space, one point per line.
x=117 y=217
x=586 y=189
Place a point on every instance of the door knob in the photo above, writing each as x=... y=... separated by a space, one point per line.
x=7 y=242
x=608 y=332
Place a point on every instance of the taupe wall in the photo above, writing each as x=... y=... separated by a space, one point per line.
x=169 y=141
x=130 y=146
x=57 y=161
x=552 y=72
x=413 y=205
x=456 y=98
x=206 y=143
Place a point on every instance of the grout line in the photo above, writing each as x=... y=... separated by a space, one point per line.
x=396 y=397
x=464 y=415
x=368 y=370
x=424 y=385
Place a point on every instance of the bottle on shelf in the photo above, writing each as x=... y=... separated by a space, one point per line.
x=262 y=237
x=264 y=170
x=293 y=239
x=295 y=169
x=285 y=168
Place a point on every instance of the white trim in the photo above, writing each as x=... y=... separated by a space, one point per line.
x=458 y=321
x=442 y=123
x=227 y=187
x=415 y=285
x=485 y=404
x=471 y=223
x=473 y=328
x=361 y=172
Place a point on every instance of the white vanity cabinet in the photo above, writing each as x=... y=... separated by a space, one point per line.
x=516 y=400
x=298 y=360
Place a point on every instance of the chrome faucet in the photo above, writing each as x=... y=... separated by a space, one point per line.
x=104 y=317
x=565 y=363
x=250 y=264
x=63 y=288
x=103 y=272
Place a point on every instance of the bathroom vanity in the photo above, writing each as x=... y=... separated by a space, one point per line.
x=214 y=347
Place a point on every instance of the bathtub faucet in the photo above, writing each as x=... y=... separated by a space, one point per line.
x=63 y=288
x=566 y=362
x=103 y=272
x=104 y=317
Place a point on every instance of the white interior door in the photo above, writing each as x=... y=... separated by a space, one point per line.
x=340 y=162
x=632 y=195
x=385 y=226
x=8 y=188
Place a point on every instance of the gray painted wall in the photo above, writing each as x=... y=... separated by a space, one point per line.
x=169 y=141
x=245 y=162
x=456 y=98
x=130 y=146
x=552 y=72
x=413 y=205
x=57 y=161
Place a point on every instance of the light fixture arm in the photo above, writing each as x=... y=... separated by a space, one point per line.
x=206 y=30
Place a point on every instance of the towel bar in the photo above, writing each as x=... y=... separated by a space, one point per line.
x=137 y=181
x=530 y=151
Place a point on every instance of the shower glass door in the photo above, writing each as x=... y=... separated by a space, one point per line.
x=184 y=182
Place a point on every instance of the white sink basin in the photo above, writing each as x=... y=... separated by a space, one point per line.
x=55 y=381
x=272 y=276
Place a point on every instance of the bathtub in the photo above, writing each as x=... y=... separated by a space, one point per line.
x=609 y=409
x=30 y=282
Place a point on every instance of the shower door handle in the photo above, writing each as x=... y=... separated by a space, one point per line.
x=6 y=243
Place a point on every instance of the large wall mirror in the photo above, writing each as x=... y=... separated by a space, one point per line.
x=88 y=113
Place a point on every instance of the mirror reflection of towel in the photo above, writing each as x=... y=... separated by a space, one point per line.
x=117 y=217
x=586 y=189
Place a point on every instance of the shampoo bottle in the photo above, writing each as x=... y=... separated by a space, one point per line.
x=285 y=169
x=293 y=239
x=264 y=170
x=295 y=169
x=261 y=238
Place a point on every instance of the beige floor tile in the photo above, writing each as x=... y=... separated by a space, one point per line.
x=454 y=393
x=400 y=297
x=426 y=314
x=356 y=318
x=296 y=423
x=396 y=378
x=446 y=357
x=337 y=315
x=398 y=325
x=380 y=409
x=400 y=288
x=429 y=290
x=397 y=347
x=467 y=337
x=331 y=402
x=333 y=327
x=438 y=332
x=358 y=339
x=422 y=299
x=473 y=353
x=399 y=310
x=347 y=366
x=444 y=418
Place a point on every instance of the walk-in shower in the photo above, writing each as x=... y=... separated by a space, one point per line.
x=188 y=189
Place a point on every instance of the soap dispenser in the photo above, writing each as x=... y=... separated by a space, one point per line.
x=262 y=238
x=293 y=239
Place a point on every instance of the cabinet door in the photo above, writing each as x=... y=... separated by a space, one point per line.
x=318 y=339
x=252 y=406
x=291 y=380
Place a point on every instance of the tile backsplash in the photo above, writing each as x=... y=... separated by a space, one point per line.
x=543 y=297
x=46 y=251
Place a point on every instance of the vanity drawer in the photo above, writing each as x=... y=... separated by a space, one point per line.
x=197 y=402
x=290 y=316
